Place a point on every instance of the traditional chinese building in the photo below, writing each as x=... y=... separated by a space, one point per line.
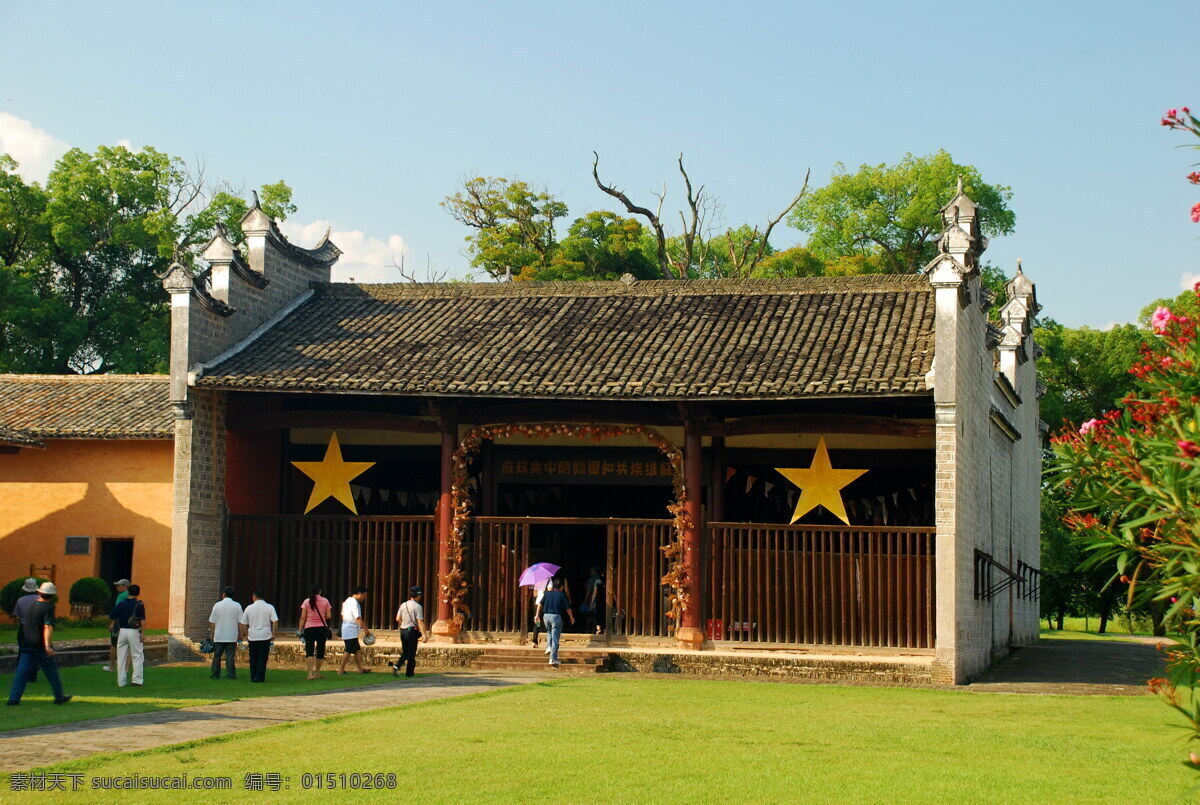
x=843 y=462
x=85 y=481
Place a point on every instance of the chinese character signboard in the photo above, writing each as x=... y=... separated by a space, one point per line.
x=567 y=465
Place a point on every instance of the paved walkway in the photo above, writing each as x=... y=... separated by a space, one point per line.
x=1077 y=667
x=138 y=731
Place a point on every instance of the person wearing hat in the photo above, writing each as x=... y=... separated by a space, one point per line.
x=122 y=586
x=30 y=597
x=36 y=648
x=410 y=617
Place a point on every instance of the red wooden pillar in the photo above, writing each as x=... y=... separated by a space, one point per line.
x=444 y=629
x=690 y=634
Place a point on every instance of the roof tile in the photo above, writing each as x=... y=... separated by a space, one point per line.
x=712 y=339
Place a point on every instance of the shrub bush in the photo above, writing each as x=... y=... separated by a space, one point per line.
x=92 y=591
x=11 y=592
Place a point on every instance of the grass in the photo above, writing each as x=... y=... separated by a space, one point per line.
x=623 y=738
x=167 y=688
x=8 y=634
x=1085 y=629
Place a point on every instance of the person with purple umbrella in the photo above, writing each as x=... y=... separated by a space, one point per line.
x=537 y=577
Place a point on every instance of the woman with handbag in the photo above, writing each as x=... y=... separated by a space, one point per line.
x=314 y=621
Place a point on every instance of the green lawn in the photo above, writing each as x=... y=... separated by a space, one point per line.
x=8 y=634
x=97 y=695
x=624 y=738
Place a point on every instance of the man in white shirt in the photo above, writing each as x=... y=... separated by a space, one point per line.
x=411 y=620
x=223 y=627
x=258 y=628
x=352 y=626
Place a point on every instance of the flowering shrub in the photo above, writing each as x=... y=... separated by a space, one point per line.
x=1132 y=479
x=1182 y=119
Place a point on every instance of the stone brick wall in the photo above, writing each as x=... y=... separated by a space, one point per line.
x=198 y=515
x=203 y=326
x=987 y=467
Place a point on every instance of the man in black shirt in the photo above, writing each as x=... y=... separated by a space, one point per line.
x=128 y=616
x=34 y=642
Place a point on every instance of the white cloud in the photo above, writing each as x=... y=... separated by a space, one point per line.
x=125 y=143
x=34 y=149
x=364 y=258
x=1187 y=281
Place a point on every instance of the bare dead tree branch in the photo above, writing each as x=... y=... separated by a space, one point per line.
x=743 y=263
x=432 y=275
x=634 y=209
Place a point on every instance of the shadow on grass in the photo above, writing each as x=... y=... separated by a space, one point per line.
x=232 y=700
x=1072 y=664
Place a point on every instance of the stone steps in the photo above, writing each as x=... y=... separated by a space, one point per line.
x=535 y=659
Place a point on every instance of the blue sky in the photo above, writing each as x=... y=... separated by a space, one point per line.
x=373 y=112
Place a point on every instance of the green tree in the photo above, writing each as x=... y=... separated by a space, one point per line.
x=80 y=259
x=798 y=261
x=513 y=224
x=1085 y=371
x=891 y=212
x=600 y=246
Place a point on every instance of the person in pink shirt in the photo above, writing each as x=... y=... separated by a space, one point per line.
x=314 y=621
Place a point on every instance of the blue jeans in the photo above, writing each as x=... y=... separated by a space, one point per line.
x=553 y=632
x=27 y=662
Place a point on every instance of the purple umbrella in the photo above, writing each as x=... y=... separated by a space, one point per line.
x=537 y=574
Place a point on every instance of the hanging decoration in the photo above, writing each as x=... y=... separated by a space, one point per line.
x=820 y=484
x=454 y=584
x=332 y=476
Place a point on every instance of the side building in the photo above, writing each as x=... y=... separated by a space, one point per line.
x=667 y=436
x=85 y=481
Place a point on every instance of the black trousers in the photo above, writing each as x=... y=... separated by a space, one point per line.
x=259 y=651
x=408 y=655
x=229 y=650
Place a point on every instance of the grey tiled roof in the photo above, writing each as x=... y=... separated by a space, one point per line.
x=677 y=340
x=11 y=437
x=87 y=406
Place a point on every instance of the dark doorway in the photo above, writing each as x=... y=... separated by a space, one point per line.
x=116 y=559
x=575 y=547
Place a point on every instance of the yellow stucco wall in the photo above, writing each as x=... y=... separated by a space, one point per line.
x=114 y=489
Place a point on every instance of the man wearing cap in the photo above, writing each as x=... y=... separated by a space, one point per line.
x=411 y=620
x=30 y=597
x=122 y=593
x=34 y=642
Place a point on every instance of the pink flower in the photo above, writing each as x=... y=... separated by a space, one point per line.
x=1188 y=449
x=1161 y=318
x=1185 y=110
x=1172 y=112
x=1089 y=426
x=1196 y=214
x=1194 y=177
x=1196 y=286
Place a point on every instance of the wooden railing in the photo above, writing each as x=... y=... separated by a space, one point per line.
x=770 y=584
x=496 y=552
x=287 y=554
x=821 y=585
x=637 y=602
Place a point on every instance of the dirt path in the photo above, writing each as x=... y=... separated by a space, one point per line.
x=41 y=746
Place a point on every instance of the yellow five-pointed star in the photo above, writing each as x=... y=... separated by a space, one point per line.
x=820 y=485
x=332 y=476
